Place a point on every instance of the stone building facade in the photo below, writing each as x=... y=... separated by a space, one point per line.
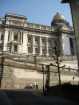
x=23 y=43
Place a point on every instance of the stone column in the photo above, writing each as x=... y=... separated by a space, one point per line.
x=12 y=36
x=47 y=49
x=40 y=46
x=33 y=44
x=65 y=45
x=12 y=49
x=24 y=45
x=11 y=39
x=5 y=40
x=20 y=38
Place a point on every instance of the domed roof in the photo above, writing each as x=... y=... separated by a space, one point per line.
x=58 y=16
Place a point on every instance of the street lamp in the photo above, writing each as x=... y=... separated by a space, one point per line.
x=58 y=67
x=1 y=62
x=43 y=78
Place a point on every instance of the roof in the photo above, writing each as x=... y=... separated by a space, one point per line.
x=15 y=15
x=58 y=16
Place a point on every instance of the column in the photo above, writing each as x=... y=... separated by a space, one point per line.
x=12 y=36
x=12 y=48
x=24 y=45
x=65 y=44
x=19 y=48
x=33 y=44
x=11 y=39
x=5 y=40
x=40 y=39
x=19 y=38
x=47 y=47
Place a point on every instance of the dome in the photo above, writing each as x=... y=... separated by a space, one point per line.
x=58 y=16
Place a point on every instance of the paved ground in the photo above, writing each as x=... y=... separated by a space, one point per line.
x=19 y=97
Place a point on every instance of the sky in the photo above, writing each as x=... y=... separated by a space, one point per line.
x=36 y=11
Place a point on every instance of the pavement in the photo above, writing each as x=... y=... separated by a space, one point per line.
x=25 y=97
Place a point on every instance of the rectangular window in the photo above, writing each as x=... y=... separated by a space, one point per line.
x=9 y=48
x=37 y=41
x=29 y=50
x=2 y=37
x=72 y=46
x=9 y=36
x=29 y=40
x=1 y=47
x=15 y=48
x=44 y=52
x=15 y=36
x=22 y=36
x=37 y=50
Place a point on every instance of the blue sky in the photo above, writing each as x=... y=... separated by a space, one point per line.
x=37 y=11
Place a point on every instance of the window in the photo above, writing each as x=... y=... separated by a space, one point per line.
x=29 y=40
x=36 y=50
x=16 y=36
x=43 y=42
x=2 y=37
x=1 y=47
x=37 y=42
x=9 y=48
x=29 y=50
x=44 y=52
x=72 y=46
x=21 y=36
x=15 y=48
x=9 y=36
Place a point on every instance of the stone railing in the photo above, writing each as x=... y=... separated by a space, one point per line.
x=40 y=27
x=69 y=58
x=34 y=59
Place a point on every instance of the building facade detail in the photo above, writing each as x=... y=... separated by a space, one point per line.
x=19 y=38
x=24 y=46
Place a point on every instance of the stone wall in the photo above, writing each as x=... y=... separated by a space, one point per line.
x=8 y=79
x=17 y=74
x=18 y=78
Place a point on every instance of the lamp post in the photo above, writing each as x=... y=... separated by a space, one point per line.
x=35 y=61
x=1 y=62
x=47 y=85
x=43 y=78
x=58 y=52
x=58 y=67
x=74 y=5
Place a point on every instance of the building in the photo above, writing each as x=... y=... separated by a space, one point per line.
x=23 y=37
x=24 y=45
